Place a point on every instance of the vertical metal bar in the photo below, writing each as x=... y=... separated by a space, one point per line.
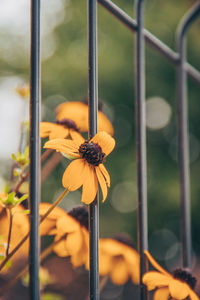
x=93 y=109
x=141 y=142
x=183 y=136
x=34 y=187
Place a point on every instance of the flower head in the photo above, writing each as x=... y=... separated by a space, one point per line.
x=76 y=243
x=78 y=112
x=118 y=259
x=70 y=230
x=178 y=285
x=87 y=168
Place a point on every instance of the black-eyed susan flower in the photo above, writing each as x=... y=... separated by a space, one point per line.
x=65 y=128
x=119 y=260
x=87 y=168
x=78 y=112
x=178 y=286
x=70 y=230
x=76 y=243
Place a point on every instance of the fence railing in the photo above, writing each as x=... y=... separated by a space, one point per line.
x=178 y=58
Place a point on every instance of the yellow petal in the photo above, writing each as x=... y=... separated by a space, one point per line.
x=67 y=224
x=56 y=213
x=193 y=295
x=155 y=264
x=78 y=259
x=76 y=137
x=119 y=274
x=73 y=176
x=47 y=226
x=53 y=131
x=133 y=263
x=60 y=248
x=63 y=145
x=178 y=290
x=105 y=263
x=102 y=183
x=161 y=294
x=90 y=184
x=154 y=279
x=104 y=124
x=105 y=141
x=105 y=174
x=112 y=247
x=74 y=242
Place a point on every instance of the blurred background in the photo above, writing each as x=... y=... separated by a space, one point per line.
x=65 y=78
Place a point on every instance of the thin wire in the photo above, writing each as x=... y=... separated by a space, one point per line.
x=93 y=109
x=34 y=187
x=183 y=134
x=141 y=143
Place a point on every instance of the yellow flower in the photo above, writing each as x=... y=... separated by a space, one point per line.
x=61 y=129
x=87 y=169
x=73 y=227
x=119 y=260
x=178 y=285
x=78 y=112
x=20 y=228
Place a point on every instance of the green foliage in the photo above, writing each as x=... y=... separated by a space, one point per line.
x=22 y=159
x=11 y=200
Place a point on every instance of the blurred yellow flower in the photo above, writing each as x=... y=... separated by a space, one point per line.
x=87 y=169
x=64 y=128
x=178 y=285
x=76 y=243
x=20 y=228
x=119 y=260
x=73 y=227
x=78 y=112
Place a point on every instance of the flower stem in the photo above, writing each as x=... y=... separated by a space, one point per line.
x=27 y=235
x=10 y=230
x=43 y=255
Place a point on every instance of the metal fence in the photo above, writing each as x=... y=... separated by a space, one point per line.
x=184 y=69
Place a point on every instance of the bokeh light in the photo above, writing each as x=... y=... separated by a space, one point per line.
x=124 y=197
x=158 y=113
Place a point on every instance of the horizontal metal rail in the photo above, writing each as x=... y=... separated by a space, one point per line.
x=153 y=41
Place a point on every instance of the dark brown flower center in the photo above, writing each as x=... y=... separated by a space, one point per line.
x=80 y=213
x=92 y=153
x=124 y=239
x=185 y=276
x=68 y=123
